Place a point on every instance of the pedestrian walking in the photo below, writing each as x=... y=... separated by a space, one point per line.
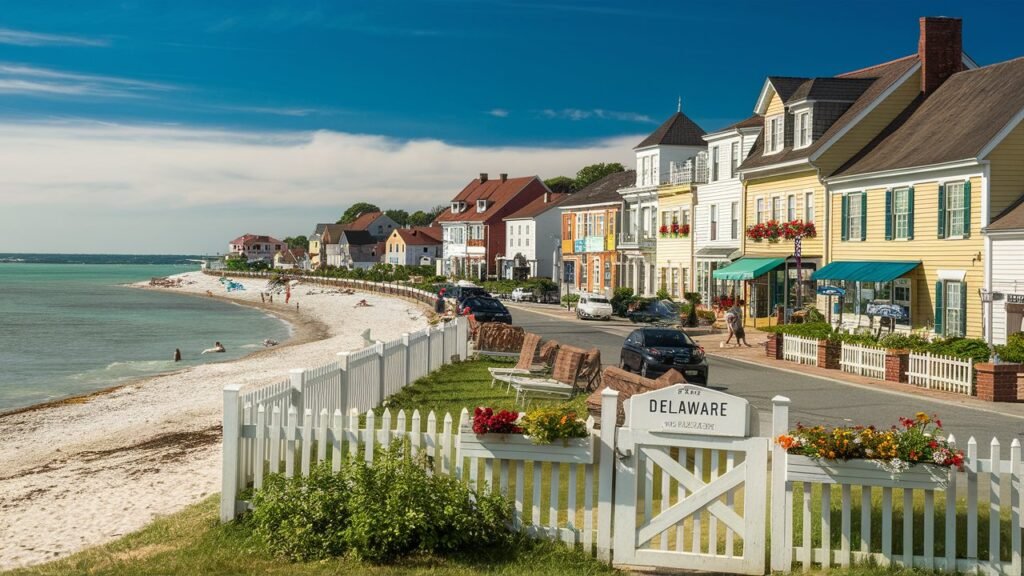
x=741 y=334
x=730 y=323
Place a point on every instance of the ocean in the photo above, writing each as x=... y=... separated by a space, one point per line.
x=69 y=326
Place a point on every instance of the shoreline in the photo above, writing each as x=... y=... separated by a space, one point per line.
x=82 y=470
x=302 y=330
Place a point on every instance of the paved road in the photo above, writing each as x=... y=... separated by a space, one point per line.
x=814 y=400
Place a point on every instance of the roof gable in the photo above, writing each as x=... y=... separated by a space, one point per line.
x=784 y=86
x=496 y=191
x=678 y=130
x=538 y=206
x=603 y=191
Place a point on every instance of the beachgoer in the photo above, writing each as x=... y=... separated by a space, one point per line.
x=439 y=302
x=217 y=347
x=296 y=306
x=268 y=342
x=263 y=297
x=741 y=335
x=177 y=355
x=362 y=304
x=730 y=323
x=271 y=298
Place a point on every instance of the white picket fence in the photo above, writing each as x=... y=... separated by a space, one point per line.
x=863 y=360
x=358 y=381
x=938 y=372
x=802 y=350
x=896 y=520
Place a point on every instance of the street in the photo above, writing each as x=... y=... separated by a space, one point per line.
x=814 y=400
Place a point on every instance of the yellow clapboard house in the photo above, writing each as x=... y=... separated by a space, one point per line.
x=812 y=127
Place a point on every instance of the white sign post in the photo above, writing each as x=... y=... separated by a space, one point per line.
x=689 y=409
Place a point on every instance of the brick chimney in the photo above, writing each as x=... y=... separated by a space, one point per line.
x=503 y=176
x=940 y=49
x=483 y=175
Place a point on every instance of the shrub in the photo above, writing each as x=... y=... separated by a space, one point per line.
x=816 y=330
x=813 y=315
x=545 y=425
x=859 y=339
x=706 y=316
x=621 y=299
x=302 y=518
x=1013 y=350
x=973 y=348
x=693 y=297
x=663 y=295
x=897 y=340
x=377 y=511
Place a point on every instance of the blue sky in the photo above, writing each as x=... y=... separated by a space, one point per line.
x=227 y=117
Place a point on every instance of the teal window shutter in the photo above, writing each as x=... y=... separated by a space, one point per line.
x=910 y=213
x=863 y=216
x=942 y=211
x=844 y=217
x=888 y=214
x=967 y=209
x=938 y=308
x=963 y=309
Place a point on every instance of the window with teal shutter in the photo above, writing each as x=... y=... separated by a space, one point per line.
x=863 y=217
x=967 y=209
x=910 y=213
x=888 y=214
x=844 y=216
x=963 y=309
x=938 y=307
x=942 y=211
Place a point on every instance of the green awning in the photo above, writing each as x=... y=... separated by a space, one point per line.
x=747 y=268
x=865 y=270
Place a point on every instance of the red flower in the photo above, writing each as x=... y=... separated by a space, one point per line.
x=663 y=229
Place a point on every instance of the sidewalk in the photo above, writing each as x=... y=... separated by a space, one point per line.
x=756 y=354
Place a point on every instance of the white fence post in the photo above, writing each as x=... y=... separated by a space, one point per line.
x=381 y=374
x=407 y=359
x=343 y=393
x=232 y=432
x=605 y=501
x=298 y=379
x=780 y=530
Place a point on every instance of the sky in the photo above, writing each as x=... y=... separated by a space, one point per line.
x=173 y=127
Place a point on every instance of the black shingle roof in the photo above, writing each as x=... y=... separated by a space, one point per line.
x=678 y=130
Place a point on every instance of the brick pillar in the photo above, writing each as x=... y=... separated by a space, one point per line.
x=774 y=348
x=829 y=354
x=997 y=382
x=897 y=362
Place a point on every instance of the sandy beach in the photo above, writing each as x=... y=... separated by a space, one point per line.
x=83 y=471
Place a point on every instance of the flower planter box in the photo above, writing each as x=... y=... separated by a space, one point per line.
x=520 y=447
x=864 y=473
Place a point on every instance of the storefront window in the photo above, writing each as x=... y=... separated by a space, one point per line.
x=860 y=294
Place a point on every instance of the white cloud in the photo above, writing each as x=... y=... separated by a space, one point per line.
x=26 y=38
x=22 y=79
x=576 y=114
x=498 y=113
x=279 y=111
x=120 y=171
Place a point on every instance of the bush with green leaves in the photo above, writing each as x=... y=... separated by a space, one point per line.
x=901 y=341
x=570 y=298
x=663 y=295
x=621 y=299
x=1013 y=350
x=815 y=330
x=377 y=511
x=974 y=348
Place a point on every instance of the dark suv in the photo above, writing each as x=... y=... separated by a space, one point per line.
x=486 y=309
x=653 y=351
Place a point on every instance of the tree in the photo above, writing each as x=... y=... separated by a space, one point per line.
x=561 y=184
x=355 y=210
x=420 y=218
x=296 y=241
x=590 y=174
x=401 y=217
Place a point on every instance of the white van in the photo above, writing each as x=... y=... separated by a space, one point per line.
x=593 y=306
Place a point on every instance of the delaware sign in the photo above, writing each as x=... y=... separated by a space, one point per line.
x=689 y=409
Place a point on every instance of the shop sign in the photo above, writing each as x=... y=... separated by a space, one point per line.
x=1015 y=298
x=595 y=243
x=579 y=246
x=831 y=291
x=689 y=409
x=887 y=311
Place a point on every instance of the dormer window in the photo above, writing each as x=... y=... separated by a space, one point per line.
x=774 y=135
x=481 y=205
x=458 y=207
x=803 y=129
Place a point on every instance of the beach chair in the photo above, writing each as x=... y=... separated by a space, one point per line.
x=525 y=364
x=562 y=383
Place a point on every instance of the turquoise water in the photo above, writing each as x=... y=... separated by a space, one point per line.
x=68 y=329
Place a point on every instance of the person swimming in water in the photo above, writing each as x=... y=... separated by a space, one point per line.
x=217 y=347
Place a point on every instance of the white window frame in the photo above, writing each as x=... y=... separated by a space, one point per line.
x=776 y=208
x=713 y=221
x=809 y=206
x=952 y=321
x=900 y=218
x=775 y=133
x=714 y=164
x=734 y=159
x=853 y=201
x=760 y=212
x=790 y=207
x=734 y=220
x=950 y=198
x=803 y=129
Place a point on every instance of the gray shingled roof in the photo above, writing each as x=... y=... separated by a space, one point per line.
x=841 y=89
x=603 y=191
x=963 y=115
x=786 y=86
x=678 y=130
x=1010 y=219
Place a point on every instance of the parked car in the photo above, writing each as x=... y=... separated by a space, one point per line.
x=653 y=351
x=593 y=306
x=664 y=312
x=459 y=293
x=486 y=309
x=523 y=295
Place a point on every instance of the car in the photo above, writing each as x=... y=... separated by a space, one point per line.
x=459 y=293
x=522 y=295
x=593 y=306
x=662 y=312
x=653 y=351
x=486 y=309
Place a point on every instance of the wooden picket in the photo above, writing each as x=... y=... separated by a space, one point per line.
x=798 y=349
x=863 y=360
x=939 y=372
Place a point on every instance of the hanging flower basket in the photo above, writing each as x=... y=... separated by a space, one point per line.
x=772 y=231
x=798 y=228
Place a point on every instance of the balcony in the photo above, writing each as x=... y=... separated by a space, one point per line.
x=692 y=171
x=634 y=241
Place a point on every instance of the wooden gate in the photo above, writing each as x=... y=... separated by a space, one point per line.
x=690 y=501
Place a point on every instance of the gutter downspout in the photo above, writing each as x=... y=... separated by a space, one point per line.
x=986 y=307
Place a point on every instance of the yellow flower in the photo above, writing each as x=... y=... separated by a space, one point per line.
x=922 y=417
